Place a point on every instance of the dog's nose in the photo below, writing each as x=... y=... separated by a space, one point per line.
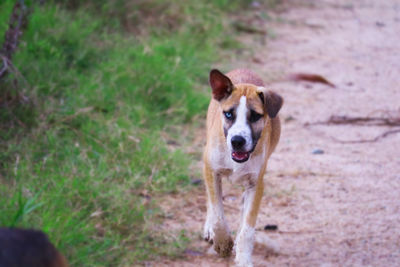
x=238 y=142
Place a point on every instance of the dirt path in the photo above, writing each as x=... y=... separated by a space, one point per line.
x=341 y=207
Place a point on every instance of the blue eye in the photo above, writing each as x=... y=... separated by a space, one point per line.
x=228 y=115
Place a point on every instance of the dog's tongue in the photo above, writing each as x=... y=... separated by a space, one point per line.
x=240 y=155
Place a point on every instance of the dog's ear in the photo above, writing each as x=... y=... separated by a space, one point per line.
x=272 y=101
x=221 y=85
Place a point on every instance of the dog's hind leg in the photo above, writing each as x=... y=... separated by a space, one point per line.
x=215 y=228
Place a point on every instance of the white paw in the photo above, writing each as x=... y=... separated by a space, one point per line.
x=244 y=246
x=208 y=233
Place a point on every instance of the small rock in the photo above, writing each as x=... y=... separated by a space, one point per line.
x=168 y=215
x=318 y=151
x=257 y=60
x=289 y=118
x=196 y=181
x=172 y=142
x=97 y=213
x=271 y=227
x=314 y=23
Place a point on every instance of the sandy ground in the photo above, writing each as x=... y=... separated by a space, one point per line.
x=341 y=207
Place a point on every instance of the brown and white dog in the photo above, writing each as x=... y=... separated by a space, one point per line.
x=243 y=130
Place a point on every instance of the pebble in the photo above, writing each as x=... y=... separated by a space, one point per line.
x=318 y=151
x=196 y=181
x=271 y=227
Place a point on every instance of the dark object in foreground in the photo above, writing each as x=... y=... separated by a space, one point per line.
x=23 y=247
x=271 y=227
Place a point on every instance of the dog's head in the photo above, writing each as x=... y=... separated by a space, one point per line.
x=246 y=108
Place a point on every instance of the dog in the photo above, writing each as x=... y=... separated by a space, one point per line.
x=243 y=129
x=27 y=247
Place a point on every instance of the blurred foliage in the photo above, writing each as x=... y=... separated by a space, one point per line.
x=95 y=84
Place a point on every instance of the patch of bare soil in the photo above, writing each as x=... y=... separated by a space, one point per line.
x=333 y=189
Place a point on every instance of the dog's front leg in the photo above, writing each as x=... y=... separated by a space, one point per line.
x=245 y=237
x=216 y=229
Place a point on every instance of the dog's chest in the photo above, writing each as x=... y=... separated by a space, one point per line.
x=222 y=163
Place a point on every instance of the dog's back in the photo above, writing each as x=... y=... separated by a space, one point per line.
x=28 y=248
x=244 y=76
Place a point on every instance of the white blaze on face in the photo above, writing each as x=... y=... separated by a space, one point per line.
x=240 y=126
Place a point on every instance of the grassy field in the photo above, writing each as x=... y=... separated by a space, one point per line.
x=84 y=115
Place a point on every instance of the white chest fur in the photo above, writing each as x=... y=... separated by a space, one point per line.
x=221 y=161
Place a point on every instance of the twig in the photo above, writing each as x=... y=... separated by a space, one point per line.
x=11 y=38
x=383 y=135
x=309 y=77
x=248 y=28
x=5 y=66
x=300 y=232
x=362 y=121
x=76 y=114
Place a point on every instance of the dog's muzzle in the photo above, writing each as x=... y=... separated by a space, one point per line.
x=238 y=154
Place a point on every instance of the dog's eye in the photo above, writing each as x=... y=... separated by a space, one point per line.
x=228 y=115
x=254 y=116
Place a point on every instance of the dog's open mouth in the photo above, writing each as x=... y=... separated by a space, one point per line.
x=240 y=156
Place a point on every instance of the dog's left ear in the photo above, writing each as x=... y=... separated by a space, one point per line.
x=221 y=85
x=272 y=101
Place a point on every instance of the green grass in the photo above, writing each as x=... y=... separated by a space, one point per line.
x=81 y=129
